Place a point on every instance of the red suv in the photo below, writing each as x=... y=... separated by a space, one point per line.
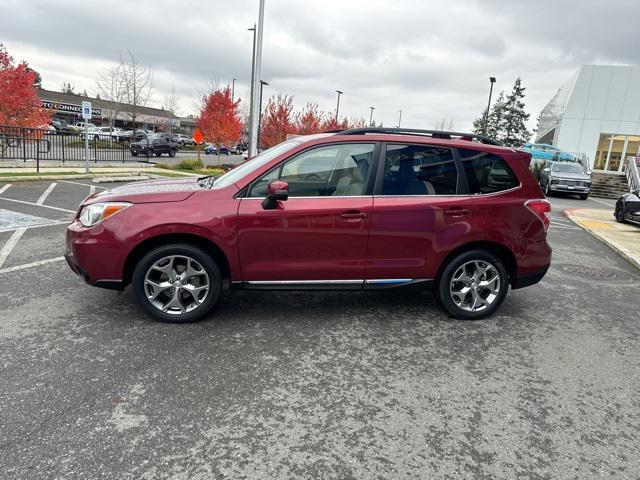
x=361 y=209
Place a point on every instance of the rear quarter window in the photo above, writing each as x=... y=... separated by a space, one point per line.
x=486 y=172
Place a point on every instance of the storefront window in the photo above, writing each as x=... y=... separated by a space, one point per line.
x=613 y=149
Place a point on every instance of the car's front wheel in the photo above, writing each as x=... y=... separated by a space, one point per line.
x=584 y=196
x=547 y=190
x=177 y=283
x=172 y=152
x=619 y=212
x=473 y=285
x=135 y=154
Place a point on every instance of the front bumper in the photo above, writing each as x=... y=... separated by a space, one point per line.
x=95 y=255
x=561 y=187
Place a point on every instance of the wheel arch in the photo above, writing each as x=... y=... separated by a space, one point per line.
x=148 y=244
x=497 y=249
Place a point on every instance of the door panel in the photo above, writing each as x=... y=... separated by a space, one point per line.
x=305 y=238
x=411 y=234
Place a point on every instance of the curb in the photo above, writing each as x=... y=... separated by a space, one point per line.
x=624 y=253
x=114 y=176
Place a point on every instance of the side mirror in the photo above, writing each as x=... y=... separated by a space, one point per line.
x=276 y=191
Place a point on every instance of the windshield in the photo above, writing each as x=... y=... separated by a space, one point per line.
x=232 y=176
x=567 y=168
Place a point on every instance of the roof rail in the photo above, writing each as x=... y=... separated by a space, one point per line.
x=415 y=131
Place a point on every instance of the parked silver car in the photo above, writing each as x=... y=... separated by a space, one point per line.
x=565 y=177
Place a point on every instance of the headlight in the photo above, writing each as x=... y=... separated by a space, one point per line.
x=554 y=180
x=98 y=212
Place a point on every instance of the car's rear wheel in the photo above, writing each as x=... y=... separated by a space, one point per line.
x=618 y=213
x=584 y=196
x=135 y=154
x=150 y=152
x=158 y=154
x=177 y=283
x=547 y=190
x=473 y=285
x=172 y=152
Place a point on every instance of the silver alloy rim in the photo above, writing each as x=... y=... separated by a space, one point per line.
x=176 y=284
x=475 y=286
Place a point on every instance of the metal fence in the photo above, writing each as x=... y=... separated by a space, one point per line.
x=36 y=144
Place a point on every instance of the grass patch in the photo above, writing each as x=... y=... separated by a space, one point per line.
x=192 y=166
x=34 y=174
x=97 y=144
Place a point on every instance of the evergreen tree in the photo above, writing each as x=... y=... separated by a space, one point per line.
x=513 y=128
x=494 y=120
x=67 y=88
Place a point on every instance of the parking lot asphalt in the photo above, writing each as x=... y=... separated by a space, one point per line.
x=314 y=385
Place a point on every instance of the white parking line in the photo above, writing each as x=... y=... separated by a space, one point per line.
x=11 y=229
x=45 y=194
x=5 y=188
x=35 y=204
x=11 y=243
x=30 y=265
x=83 y=184
x=92 y=189
x=604 y=203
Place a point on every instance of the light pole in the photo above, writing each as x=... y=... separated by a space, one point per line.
x=262 y=84
x=371 y=116
x=233 y=89
x=399 y=118
x=338 y=105
x=492 y=80
x=255 y=113
x=253 y=76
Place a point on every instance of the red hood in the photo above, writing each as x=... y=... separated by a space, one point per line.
x=150 y=191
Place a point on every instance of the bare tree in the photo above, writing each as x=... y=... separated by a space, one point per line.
x=138 y=82
x=444 y=124
x=170 y=107
x=111 y=86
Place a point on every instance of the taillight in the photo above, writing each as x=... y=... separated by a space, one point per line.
x=541 y=208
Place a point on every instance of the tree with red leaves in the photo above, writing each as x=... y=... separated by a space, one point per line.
x=309 y=121
x=331 y=123
x=19 y=103
x=278 y=121
x=219 y=118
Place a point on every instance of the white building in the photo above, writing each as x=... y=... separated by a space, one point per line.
x=596 y=115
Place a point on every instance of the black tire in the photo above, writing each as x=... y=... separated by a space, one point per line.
x=135 y=154
x=186 y=250
x=158 y=154
x=619 y=212
x=442 y=289
x=150 y=152
x=584 y=196
x=172 y=152
x=547 y=190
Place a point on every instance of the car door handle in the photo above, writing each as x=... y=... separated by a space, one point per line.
x=353 y=215
x=457 y=211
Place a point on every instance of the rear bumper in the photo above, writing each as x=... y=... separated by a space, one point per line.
x=529 y=279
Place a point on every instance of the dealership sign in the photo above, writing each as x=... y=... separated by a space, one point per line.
x=69 y=108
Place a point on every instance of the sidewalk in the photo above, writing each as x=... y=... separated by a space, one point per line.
x=69 y=172
x=624 y=238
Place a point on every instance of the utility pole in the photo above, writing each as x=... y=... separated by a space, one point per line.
x=492 y=80
x=255 y=114
x=371 y=116
x=399 y=118
x=338 y=105
x=233 y=90
x=253 y=76
x=262 y=84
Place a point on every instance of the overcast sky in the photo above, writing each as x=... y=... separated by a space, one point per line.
x=430 y=58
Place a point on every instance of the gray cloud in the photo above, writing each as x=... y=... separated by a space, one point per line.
x=429 y=58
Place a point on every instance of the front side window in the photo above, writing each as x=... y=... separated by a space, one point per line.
x=419 y=170
x=486 y=173
x=332 y=170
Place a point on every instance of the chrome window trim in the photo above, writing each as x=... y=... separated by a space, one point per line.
x=305 y=282
x=325 y=197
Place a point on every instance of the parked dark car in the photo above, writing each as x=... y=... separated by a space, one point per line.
x=361 y=209
x=155 y=144
x=628 y=208
x=211 y=149
x=565 y=177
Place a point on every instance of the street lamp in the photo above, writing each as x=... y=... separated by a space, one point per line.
x=492 y=80
x=262 y=84
x=338 y=105
x=257 y=64
x=253 y=77
x=399 y=118
x=371 y=116
x=233 y=89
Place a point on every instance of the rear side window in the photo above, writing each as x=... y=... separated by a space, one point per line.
x=487 y=173
x=419 y=170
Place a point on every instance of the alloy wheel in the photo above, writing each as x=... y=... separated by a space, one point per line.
x=475 y=286
x=176 y=284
